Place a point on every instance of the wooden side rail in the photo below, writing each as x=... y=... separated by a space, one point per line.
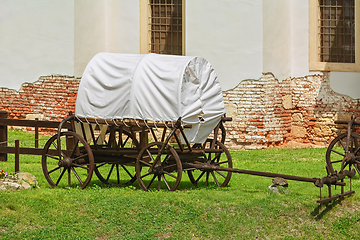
x=31 y=123
x=5 y=122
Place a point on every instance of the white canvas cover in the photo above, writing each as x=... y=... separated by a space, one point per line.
x=152 y=87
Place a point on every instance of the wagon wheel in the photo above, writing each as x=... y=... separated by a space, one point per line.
x=340 y=157
x=221 y=134
x=110 y=173
x=222 y=159
x=165 y=172
x=74 y=165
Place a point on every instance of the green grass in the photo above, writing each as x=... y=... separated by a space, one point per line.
x=246 y=209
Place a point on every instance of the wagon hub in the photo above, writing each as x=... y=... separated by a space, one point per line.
x=65 y=163
x=157 y=170
x=350 y=157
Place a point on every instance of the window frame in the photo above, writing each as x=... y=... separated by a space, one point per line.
x=314 y=42
x=145 y=36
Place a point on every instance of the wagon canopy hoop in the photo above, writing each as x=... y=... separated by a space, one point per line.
x=124 y=123
x=115 y=123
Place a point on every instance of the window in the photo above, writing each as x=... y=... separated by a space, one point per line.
x=333 y=35
x=162 y=28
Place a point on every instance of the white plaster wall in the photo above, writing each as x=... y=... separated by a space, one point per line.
x=277 y=38
x=105 y=26
x=36 y=39
x=347 y=83
x=89 y=32
x=299 y=18
x=286 y=38
x=125 y=28
x=228 y=33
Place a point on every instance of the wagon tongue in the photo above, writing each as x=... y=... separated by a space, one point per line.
x=331 y=179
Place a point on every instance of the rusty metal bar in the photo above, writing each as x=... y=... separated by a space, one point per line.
x=334 y=178
x=268 y=174
x=319 y=182
x=328 y=199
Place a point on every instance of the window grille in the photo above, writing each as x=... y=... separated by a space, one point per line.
x=165 y=26
x=337 y=31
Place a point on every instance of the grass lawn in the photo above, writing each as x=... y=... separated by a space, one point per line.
x=245 y=209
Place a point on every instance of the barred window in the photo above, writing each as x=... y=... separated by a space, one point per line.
x=333 y=35
x=337 y=31
x=165 y=26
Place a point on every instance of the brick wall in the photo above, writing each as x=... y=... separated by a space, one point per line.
x=265 y=112
x=50 y=98
x=297 y=112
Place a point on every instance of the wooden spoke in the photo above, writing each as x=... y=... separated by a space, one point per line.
x=336 y=161
x=69 y=177
x=221 y=174
x=76 y=175
x=80 y=157
x=151 y=181
x=169 y=174
x=341 y=154
x=166 y=183
x=62 y=173
x=57 y=168
x=80 y=166
x=213 y=174
x=53 y=157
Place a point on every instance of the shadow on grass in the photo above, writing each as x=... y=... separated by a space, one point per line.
x=322 y=209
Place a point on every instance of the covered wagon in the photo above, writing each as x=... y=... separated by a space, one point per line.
x=149 y=115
